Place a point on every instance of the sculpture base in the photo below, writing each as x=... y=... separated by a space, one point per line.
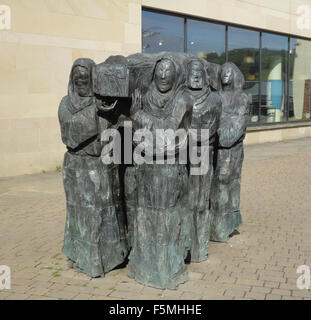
x=93 y=238
x=225 y=225
x=171 y=284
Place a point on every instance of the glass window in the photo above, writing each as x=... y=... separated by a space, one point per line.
x=162 y=32
x=273 y=75
x=284 y=92
x=207 y=40
x=299 y=80
x=243 y=50
x=252 y=91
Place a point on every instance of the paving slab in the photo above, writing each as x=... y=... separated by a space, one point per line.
x=259 y=262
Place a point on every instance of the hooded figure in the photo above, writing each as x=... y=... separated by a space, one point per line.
x=205 y=115
x=225 y=198
x=159 y=237
x=92 y=232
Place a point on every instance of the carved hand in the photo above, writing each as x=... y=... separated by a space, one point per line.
x=106 y=107
x=136 y=101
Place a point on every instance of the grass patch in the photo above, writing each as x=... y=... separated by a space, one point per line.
x=46 y=268
x=39 y=259
x=56 y=270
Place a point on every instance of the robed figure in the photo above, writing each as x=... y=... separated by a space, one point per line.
x=159 y=236
x=225 y=197
x=205 y=122
x=92 y=232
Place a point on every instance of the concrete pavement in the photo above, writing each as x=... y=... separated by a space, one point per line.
x=258 y=263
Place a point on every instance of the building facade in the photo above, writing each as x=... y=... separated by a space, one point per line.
x=270 y=41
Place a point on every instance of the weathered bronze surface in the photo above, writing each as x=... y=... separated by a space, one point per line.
x=225 y=197
x=155 y=212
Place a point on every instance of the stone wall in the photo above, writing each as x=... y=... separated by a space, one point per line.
x=274 y=15
x=275 y=135
x=36 y=55
x=46 y=36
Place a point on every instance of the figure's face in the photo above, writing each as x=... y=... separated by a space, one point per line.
x=226 y=76
x=82 y=81
x=196 y=76
x=164 y=75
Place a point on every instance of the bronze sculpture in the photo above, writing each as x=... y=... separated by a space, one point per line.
x=151 y=201
x=92 y=233
x=206 y=115
x=225 y=197
x=157 y=256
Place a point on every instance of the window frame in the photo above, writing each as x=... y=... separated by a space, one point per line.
x=227 y=25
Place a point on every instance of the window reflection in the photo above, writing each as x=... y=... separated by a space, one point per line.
x=274 y=75
x=252 y=91
x=207 y=40
x=269 y=99
x=162 y=32
x=300 y=80
x=243 y=50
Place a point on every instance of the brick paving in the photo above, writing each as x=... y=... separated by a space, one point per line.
x=259 y=262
